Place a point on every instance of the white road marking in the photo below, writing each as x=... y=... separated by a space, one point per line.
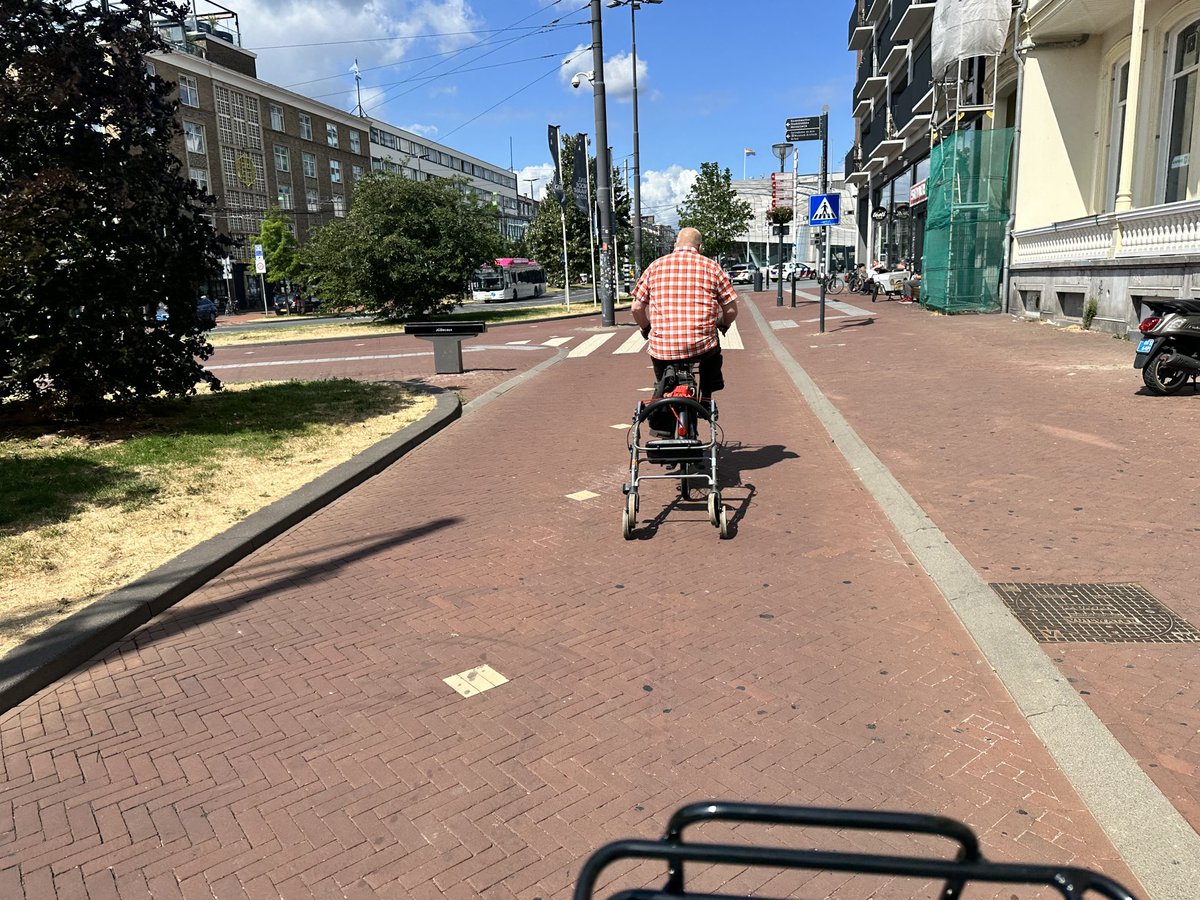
x=733 y=339
x=582 y=495
x=591 y=344
x=555 y=342
x=633 y=344
x=622 y=426
x=475 y=681
x=784 y=323
x=516 y=343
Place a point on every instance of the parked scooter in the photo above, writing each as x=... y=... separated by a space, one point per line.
x=1169 y=352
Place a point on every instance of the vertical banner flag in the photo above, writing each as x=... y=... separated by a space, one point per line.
x=579 y=175
x=749 y=152
x=557 y=186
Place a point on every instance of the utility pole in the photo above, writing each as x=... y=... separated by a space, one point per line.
x=607 y=316
x=824 y=190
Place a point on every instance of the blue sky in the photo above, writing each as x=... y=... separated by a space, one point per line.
x=714 y=76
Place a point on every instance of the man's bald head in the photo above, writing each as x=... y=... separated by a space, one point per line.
x=688 y=237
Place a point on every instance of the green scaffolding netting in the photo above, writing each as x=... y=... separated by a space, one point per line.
x=966 y=221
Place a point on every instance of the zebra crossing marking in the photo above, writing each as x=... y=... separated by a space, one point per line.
x=633 y=344
x=555 y=342
x=515 y=343
x=731 y=340
x=588 y=346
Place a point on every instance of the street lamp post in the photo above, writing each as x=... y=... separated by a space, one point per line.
x=634 y=6
x=781 y=151
x=607 y=313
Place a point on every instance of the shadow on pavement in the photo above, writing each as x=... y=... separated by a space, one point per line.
x=736 y=458
x=179 y=619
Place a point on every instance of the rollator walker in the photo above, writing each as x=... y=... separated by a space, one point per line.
x=673 y=420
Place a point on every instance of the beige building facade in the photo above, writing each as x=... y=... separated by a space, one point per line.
x=1107 y=202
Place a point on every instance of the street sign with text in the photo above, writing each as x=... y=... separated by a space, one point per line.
x=805 y=128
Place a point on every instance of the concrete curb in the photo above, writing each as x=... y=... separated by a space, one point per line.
x=45 y=658
x=1156 y=842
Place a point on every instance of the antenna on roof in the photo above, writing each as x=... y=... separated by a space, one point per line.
x=359 y=111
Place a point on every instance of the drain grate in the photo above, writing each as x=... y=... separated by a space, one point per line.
x=1100 y=613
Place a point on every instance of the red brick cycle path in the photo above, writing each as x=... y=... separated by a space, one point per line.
x=285 y=731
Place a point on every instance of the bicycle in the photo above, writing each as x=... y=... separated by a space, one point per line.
x=832 y=283
x=967 y=866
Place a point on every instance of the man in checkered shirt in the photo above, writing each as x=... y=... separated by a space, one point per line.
x=683 y=298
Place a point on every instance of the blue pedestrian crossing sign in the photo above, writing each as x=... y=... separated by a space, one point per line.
x=824 y=209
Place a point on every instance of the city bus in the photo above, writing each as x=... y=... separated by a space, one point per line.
x=509 y=279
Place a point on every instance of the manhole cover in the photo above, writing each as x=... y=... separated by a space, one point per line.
x=1101 y=613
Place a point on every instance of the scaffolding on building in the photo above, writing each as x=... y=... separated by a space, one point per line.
x=968 y=205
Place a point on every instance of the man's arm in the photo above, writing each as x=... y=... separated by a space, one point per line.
x=727 y=298
x=641 y=299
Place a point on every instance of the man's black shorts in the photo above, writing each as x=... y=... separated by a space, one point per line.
x=710 y=371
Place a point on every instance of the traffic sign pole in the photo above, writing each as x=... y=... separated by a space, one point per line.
x=824 y=190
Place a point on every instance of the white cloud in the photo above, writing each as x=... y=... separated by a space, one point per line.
x=664 y=190
x=618 y=73
x=618 y=76
x=314 y=23
x=543 y=171
x=426 y=130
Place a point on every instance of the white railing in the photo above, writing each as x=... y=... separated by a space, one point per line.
x=1172 y=229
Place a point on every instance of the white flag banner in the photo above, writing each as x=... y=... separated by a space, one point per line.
x=966 y=28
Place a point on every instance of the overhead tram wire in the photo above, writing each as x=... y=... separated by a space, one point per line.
x=427 y=78
x=555 y=21
x=395 y=37
x=514 y=93
x=414 y=59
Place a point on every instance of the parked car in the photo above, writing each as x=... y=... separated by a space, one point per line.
x=792 y=271
x=296 y=304
x=742 y=273
x=206 y=313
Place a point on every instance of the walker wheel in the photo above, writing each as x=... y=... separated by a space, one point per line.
x=629 y=515
x=715 y=508
x=724 y=522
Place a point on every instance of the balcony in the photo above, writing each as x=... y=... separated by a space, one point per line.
x=1155 y=232
x=862 y=32
x=910 y=22
x=862 y=108
x=896 y=59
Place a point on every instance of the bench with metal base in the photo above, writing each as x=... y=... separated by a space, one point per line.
x=447 y=338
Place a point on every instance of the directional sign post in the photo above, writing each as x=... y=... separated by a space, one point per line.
x=805 y=128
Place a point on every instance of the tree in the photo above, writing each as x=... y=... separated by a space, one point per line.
x=279 y=247
x=712 y=206
x=406 y=249
x=545 y=238
x=98 y=226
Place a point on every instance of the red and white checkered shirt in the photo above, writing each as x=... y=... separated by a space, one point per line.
x=683 y=292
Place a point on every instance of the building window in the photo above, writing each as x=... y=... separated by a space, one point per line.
x=193 y=135
x=355 y=146
x=335 y=171
x=189 y=94
x=200 y=176
x=1116 y=140
x=1181 y=111
x=283 y=162
x=150 y=70
x=308 y=162
x=284 y=195
x=306 y=127
x=331 y=134
x=277 y=117
x=314 y=199
x=356 y=172
x=339 y=205
x=238 y=124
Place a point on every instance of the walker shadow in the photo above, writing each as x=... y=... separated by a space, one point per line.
x=646 y=530
x=736 y=458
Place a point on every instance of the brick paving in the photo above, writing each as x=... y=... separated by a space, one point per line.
x=1040 y=455
x=285 y=731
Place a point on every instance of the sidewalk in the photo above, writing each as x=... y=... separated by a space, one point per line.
x=286 y=731
x=1043 y=459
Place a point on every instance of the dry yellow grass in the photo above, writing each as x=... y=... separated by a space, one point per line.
x=51 y=571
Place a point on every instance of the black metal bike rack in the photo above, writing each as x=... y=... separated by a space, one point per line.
x=968 y=866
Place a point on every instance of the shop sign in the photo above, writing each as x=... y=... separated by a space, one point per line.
x=879 y=213
x=901 y=212
x=919 y=193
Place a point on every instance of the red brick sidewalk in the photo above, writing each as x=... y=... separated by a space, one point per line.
x=285 y=731
x=1039 y=454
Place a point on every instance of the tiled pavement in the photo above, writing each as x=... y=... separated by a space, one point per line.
x=1041 y=457
x=286 y=731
